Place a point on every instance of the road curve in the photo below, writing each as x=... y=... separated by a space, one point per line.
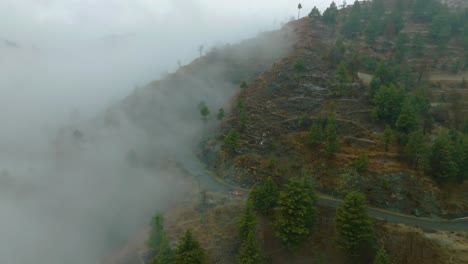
x=193 y=166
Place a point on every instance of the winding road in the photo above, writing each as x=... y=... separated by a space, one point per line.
x=197 y=169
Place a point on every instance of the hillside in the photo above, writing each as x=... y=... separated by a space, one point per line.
x=278 y=112
x=369 y=98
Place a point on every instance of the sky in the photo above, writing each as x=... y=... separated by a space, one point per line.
x=60 y=201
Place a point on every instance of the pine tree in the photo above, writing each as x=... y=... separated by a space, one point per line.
x=361 y=164
x=315 y=12
x=243 y=120
x=232 y=139
x=331 y=136
x=407 y=121
x=330 y=14
x=244 y=85
x=388 y=101
x=247 y=222
x=204 y=110
x=265 y=197
x=220 y=115
x=165 y=253
x=297 y=213
x=342 y=76
x=249 y=252
x=157 y=231
x=442 y=161
x=353 y=225
x=382 y=257
x=315 y=135
x=189 y=251
x=387 y=137
x=416 y=150
x=418 y=45
x=299 y=66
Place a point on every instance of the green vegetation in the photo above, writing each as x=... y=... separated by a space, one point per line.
x=165 y=254
x=264 y=197
x=388 y=101
x=243 y=120
x=361 y=164
x=297 y=212
x=330 y=14
x=232 y=139
x=387 y=137
x=244 y=85
x=299 y=66
x=315 y=13
x=382 y=257
x=247 y=222
x=204 y=110
x=353 y=226
x=249 y=252
x=343 y=78
x=157 y=231
x=220 y=115
x=189 y=251
x=331 y=136
x=316 y=135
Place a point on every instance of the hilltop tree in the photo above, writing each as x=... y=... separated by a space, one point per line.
x=297 y=212
x=243 y=85
x=220 y=115
x=157 y=231
x=204 y=110
x=314 y=13
x=353 y=225
x=247 y=222
x=299 y=7
x=330 y=14
x=189 y=250
x=382 y=257
x=232 y=139
x=264 y=197
x=200 y=49
x=352 y=25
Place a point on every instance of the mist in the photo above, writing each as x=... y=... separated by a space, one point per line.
x=86 y=129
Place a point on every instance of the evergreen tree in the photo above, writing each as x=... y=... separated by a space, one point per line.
x=387 y=137
x=264 y=197
x=418 y=45
x=249 y=252
x=442 y=161
x=342 y=76
x=220 y=115
x=330 y=14
x=243 y=120
x=189 y=251
x=407 y=121
x=388 y=101
x=416 y=150
x=378 y=8
x=441 y=29
x=382 y=257
x=247 y=222
x=165 y=253
x=157 y=231
x=315 y=12
x=352 y=26
x=297 y=213
x=204 y=111
x=299 y=66
x=401 y=48
x=315 y=135
x=244 y=85
x=353 y=225
x=331 y=136
x=232 y=139
x=361 y=164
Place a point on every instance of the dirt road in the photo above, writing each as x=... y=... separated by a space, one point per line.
x=197 y=169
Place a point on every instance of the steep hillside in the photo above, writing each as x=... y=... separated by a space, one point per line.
x=273 y=115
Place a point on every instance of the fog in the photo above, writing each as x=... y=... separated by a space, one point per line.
x=84 y=127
